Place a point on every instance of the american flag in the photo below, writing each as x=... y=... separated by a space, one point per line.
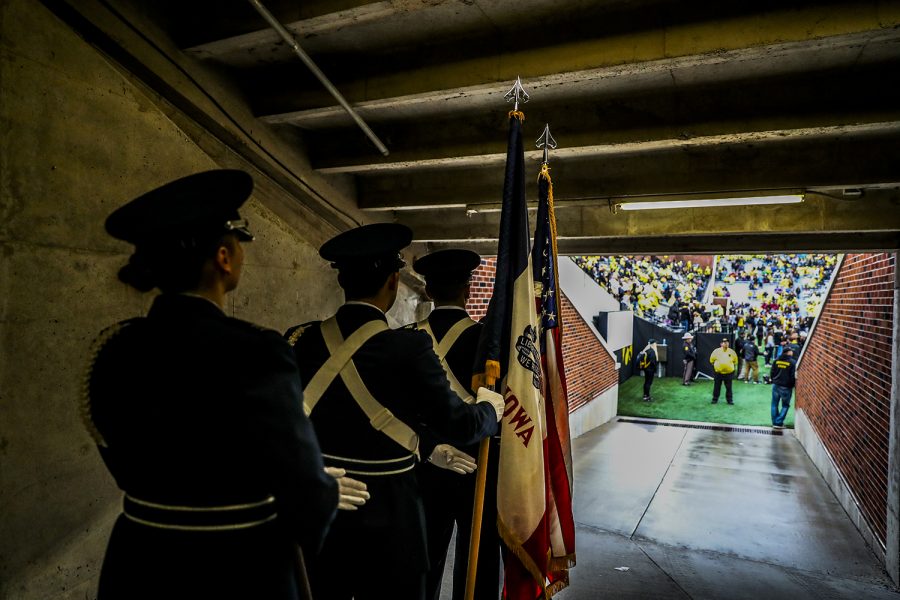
x=557 y=444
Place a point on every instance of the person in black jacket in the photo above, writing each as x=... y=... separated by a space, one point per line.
x=197 y=415
x=783 y=377
x=750 y=354
x=370 y=392
x=760 y=331
x=690 y=358
x=647 y=361
x=447 y=479
x=684 y=315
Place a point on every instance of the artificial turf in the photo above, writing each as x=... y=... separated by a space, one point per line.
x=671 y=400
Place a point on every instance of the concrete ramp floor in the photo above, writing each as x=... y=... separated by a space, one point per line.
x=696 y=513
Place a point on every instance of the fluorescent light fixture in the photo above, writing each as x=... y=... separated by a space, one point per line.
x=712 y=202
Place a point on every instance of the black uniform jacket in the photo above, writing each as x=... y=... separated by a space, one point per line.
x=690 y=351
x=449 y=496
x=460 y=359
x=401 y=370
x=197 y=409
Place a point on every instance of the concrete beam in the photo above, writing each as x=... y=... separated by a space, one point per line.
x=678 y=55
x=354 y=16
x=877 y=212
x=583 y=133
x=710 y=244
x=763 y=162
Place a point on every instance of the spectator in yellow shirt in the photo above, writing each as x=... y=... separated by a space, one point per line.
x=725 y=362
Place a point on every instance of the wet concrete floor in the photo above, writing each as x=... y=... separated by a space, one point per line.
x=671 y=512
x=698 y=513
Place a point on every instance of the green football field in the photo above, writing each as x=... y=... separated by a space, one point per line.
x=671 y=400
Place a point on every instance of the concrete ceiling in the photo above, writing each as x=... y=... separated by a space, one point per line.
x=646 y=98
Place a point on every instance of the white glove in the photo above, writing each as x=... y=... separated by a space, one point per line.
x=446 y=456
x=496 y=400
x=351 y=493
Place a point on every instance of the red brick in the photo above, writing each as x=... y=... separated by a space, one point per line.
x=844 y=381
x=590 y=370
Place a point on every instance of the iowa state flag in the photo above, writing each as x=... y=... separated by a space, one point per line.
x=509 y=351
x=557 y=443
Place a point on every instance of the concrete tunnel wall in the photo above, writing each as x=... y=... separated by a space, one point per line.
x=79 y=140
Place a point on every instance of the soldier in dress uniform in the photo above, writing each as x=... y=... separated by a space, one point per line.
x=198 y=416
x=447 y=479
x=369 y=392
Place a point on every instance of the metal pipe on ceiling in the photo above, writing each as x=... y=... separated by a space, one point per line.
x=292 y=42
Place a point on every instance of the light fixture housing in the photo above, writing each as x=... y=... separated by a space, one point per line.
x=710 y=202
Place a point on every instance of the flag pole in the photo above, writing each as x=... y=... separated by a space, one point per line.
x=516 y=94
x=477 y=514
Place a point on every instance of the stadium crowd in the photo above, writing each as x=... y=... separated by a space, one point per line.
x=644 y=284
x=769 y=299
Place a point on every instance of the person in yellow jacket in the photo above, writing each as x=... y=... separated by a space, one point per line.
x=725 y=362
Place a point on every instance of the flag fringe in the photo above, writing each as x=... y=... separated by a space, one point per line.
x=558 y=565
x=517 y=114
x=558 y=585
x=515 y=547
x=561 y=563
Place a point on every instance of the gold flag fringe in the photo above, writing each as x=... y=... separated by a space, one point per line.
x=517 y=114
x=559 y=565
x=562 y=563
x=515 y=546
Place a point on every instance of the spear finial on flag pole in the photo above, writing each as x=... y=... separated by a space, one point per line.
x=517 y=94
x=546 y=142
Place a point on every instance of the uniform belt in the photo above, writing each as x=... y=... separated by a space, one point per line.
x=358 y=466
x=228 y=517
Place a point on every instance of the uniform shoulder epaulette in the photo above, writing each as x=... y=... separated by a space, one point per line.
x=84 y=408
x=293 y=334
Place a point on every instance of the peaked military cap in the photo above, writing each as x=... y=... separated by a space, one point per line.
x=369 y=246
x=453 y=265
x=202 y=203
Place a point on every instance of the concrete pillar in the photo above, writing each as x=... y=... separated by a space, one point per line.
x=892 y=551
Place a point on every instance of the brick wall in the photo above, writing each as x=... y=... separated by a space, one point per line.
x=482 y=288
x=590 y=370
x=844 y=380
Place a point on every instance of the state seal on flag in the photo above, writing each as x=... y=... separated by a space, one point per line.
x=529 y=357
